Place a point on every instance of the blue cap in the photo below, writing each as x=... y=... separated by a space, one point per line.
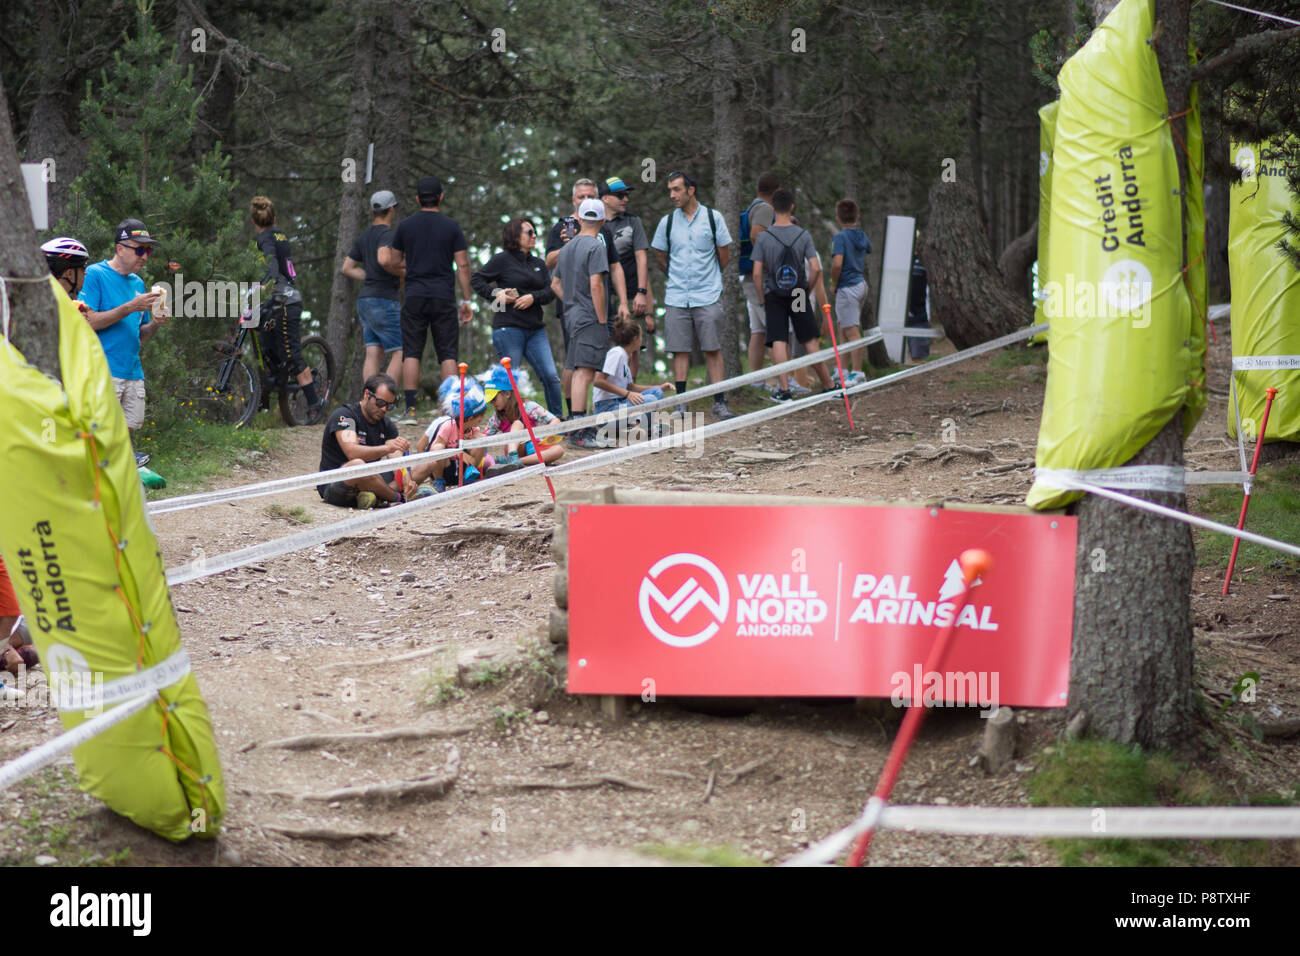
x=613 y=185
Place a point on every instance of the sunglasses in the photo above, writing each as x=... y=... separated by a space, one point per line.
x=527 y=232
x=143 y=251
x=383 y=405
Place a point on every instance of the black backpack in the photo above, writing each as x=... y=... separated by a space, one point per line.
x=789 y=275
x=668 y=237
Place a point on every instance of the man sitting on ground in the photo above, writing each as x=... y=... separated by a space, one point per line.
x=359 y=433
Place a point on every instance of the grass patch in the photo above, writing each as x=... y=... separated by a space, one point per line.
x=188 y=453
x=1018 y=355
x=297 y=515
x=1094 y=773
x=700 y=854
x=440 y=687
x=1274 y=512
x=55 y=821
x=508 y=717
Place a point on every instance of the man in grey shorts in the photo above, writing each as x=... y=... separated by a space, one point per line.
x=693 y=246
x=581 y=282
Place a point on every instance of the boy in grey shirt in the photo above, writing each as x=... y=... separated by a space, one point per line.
x=782 y=281
x=581 y=280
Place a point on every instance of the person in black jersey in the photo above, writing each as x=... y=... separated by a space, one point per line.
x=282 y=315
x=359 y=433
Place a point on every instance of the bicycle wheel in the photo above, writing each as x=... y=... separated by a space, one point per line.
x=293 y=404
x=235 y=401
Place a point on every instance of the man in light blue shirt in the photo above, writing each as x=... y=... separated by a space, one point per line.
x=693 y=246
x=120 y=312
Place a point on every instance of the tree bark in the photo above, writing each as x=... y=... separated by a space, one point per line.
x=782 y=98
x=339 y=325
x=33 y=323
x=1131 y=663
x=1016 y=259
x=967 y=293
x=727 y=171
x=52 y=130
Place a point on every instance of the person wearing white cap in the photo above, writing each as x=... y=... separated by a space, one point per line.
x=581 y=281
x=379 y=306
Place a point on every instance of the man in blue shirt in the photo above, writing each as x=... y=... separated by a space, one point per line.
x=693 y=246
x=121 y=312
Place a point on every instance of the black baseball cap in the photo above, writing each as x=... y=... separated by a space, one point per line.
x=430 y=187
x=133 y=230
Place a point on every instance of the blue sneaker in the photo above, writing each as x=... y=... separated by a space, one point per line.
x=439 y=486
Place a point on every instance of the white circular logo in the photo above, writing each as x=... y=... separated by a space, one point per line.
x=1044 y=161
x=62 y=659
x=1245 y=161
x=1126 y=285
x=670 y=598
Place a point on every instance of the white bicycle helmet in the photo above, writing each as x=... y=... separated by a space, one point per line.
x=65 y=251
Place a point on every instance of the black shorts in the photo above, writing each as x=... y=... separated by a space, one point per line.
x=338 y=493
x=781 y=315
x=419 y=316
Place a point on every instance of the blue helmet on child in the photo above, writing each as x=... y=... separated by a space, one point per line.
x=497 y=380
x=449 y=395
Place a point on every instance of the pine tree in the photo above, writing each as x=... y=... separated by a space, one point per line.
x=138 y=121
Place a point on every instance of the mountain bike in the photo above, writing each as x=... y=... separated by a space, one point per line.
x=246 y=376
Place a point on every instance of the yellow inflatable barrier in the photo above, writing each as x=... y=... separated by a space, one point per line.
x=89 y=578
x=1046 y=133
x=1123 y=344
x=1265 y=297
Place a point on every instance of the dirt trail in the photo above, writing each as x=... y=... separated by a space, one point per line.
x=297 y=646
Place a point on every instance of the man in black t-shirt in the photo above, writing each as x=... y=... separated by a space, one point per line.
x=429 y=245
x=560 y=234
x=359 y=433
x=379 y=304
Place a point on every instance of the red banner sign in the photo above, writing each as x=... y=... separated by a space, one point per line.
x=818 y=602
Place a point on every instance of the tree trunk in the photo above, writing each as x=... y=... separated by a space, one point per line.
x=33 y=323
x=1131 y=664
x=1016 y=259
x=351 y=200
x=967 y=294
x=782 y=99
x=727 y=173
x=52 y=129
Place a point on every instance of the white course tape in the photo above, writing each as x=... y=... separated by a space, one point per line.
x=70 y=692
x=205 y=566
x=685 y=438
x=827 y=850
x=277 y=485
x=1217 y=312
x=1143 y=823
x=1258 y=13
x=974 y=350
x=1153 y=823
x=1199 y=522
x=1254 y=363
x=1167 y=478
x=1218 y=478
x=672 y=401
x=52 y=750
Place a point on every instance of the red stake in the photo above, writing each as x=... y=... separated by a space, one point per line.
x=460 y=458
x=528 y=424
x=839 y=368
x=1269 y=395
x=974 y=562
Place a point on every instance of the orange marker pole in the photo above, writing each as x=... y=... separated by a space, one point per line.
x=460 y=458
x=826 y=309
x=974 y=562
x=1269 y=395
x=523 y=417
